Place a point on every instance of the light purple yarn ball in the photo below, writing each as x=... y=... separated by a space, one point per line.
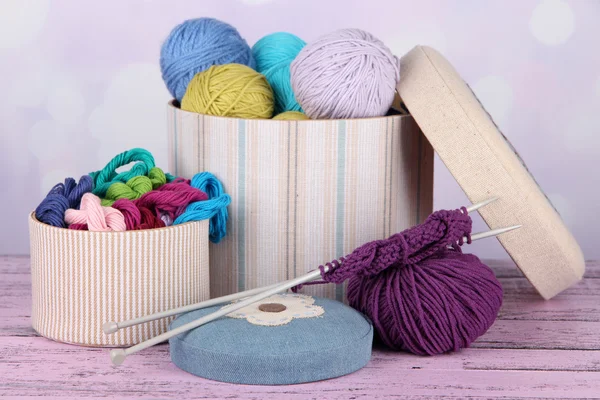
x=348 y=73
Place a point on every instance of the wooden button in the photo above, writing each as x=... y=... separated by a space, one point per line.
x=272 y=307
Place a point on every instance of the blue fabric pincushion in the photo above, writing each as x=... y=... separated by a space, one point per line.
x=284 y=339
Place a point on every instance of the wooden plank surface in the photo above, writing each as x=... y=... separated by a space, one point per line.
x=536 y=349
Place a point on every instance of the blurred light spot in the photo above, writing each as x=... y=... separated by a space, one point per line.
x=21 y=21
x=552 y=22
x=48 y=140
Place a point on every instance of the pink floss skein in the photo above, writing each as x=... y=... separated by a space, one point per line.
x=171 y=199
x=97 y=218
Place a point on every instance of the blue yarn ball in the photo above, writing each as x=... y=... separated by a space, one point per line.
x=273 y=54
x=196 y=45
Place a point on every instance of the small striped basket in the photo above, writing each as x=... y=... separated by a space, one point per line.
x=82 y=279
x=303 y=192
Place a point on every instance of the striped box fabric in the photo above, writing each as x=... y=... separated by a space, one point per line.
x=81 y=279
x=303 y=192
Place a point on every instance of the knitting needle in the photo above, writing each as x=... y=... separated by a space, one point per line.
x=118 y=355
x=112 y=326
x=477 y=206
x=493 y=232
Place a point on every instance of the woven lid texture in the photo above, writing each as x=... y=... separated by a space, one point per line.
x=485 y=164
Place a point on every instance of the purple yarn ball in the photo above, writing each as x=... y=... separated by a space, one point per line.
x=348 y=73
x=421 y=292
x=440 y=304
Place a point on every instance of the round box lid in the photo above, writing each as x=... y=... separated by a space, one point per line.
x=283 y=339
x=485 y=164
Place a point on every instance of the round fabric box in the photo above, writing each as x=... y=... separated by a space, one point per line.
x=82 y=279
x=283 y=339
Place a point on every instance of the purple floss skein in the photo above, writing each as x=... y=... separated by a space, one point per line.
x=61 y=197
x=422 y=296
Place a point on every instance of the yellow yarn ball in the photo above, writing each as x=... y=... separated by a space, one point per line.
x=291 y=116
x=229 y=90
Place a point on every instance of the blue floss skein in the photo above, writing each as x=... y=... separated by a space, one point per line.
x=197 y=44
x=214 y=208
x=61 y=197
x=273 y=54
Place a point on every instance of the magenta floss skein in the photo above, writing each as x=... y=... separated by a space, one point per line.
x=422 y=296
x=348 y=73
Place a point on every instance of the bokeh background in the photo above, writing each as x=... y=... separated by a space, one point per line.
x=80 y=82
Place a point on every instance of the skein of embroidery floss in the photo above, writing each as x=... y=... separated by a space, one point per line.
x=197 y=44
x=61 y=197
x=214 y=208
x=273 y=54
x=348 y=73
x=135 y=187
x=94 y=216
x=143 y=162
x=231 y=90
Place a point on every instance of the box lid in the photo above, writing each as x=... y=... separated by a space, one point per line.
x=485 y=164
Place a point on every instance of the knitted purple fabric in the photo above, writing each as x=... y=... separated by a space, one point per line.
x=422 y=296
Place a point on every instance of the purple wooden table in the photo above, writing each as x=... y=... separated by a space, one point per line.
x=536 y=349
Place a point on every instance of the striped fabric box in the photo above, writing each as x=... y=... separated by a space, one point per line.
x=303 y=192
x=81 y=279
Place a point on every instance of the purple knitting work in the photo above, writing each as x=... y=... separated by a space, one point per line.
x=422 y=296
x=62 y=196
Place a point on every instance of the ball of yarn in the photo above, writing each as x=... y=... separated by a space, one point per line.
x=348 y=73
x=61 y=197
x=273 y=54
x=421 y=295
x=291 y=116
x=440 y=304
x=194 y=46
x=231 y=90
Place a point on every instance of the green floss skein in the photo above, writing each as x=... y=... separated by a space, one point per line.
x=135 y=187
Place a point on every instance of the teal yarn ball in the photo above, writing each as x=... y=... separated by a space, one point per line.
x=196 y=45
x=273 y=55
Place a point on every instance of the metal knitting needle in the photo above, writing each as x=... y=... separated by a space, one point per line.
x=477 y=206
x=118 y=355
x=493 y=232
x=112 y=326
